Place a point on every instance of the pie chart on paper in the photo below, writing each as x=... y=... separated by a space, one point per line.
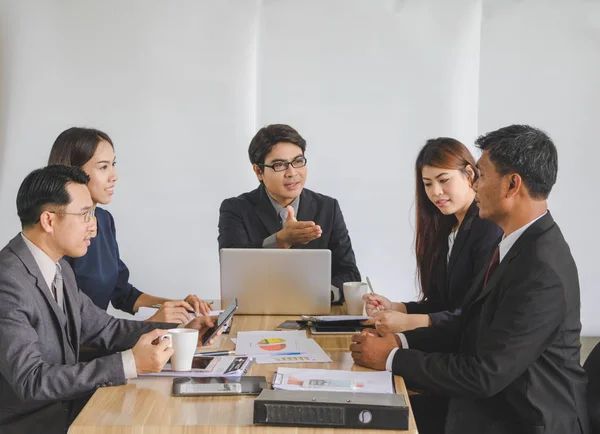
x=272 y=344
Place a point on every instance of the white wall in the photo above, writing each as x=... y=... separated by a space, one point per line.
x=182 y=86
x=367 y=84
x=540 y=64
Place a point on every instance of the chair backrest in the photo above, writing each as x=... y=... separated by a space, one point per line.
x=592 y=367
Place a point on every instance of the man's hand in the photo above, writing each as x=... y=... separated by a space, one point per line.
x=148 y=357
x=175 y=311
x=199 y=306
x=203 y=324
x=372 y=351
x=295 y=232
x=397 y=322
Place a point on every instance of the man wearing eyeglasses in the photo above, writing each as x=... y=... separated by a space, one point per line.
x=44 y=318
x=281 y=213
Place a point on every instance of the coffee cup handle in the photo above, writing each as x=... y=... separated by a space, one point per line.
x=167 y=336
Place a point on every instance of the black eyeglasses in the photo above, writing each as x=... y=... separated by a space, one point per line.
x=87 y=215
x=281 y=166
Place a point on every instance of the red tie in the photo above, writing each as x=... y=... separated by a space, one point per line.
x=493 y=265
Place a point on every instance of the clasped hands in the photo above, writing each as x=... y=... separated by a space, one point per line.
x=372 y=347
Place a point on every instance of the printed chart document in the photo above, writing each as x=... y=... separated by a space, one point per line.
x=280 y=347
x=218 y=366
x=333 y=380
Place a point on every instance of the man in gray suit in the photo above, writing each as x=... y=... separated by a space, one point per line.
x=44 y=318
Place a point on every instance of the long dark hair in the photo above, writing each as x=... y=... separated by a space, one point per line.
x=76 y=146
x=433 y=227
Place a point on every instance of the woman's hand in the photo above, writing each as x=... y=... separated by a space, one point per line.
x=375 y=303
x=198 y=306
x=175 y=311
x=397 y=322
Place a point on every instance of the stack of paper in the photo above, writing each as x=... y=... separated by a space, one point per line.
x=333 y=381
x=280 y=347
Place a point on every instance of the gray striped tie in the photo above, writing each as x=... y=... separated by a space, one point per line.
x=58 y=287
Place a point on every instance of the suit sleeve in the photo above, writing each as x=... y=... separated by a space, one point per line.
x=22 y=363
x=527 y=320
x=424 y=306
x=343 y=263
x=103 y=331
x=232 y=231
x=443 y=338
x=124 y=294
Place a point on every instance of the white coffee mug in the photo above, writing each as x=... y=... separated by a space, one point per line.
x=353 y=293
x=184 y=342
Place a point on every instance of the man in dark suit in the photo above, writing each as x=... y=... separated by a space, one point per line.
x=281 y=213
x=510 y=362
x=44 y=318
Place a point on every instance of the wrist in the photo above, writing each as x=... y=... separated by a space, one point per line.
x=422 y=320
x=281 y=243
x=399 y=307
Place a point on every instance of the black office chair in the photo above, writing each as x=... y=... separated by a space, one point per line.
x=592 y=367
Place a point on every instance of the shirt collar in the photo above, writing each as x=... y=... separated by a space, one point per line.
x=46 y=264
x=509 y=241
x=295 y=205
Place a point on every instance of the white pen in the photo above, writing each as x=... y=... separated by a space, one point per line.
x=372 y=292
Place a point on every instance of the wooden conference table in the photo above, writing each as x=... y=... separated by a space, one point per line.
x=145 y=405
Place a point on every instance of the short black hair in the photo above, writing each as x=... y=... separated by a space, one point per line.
x=267 y=137
x=46 y=186
x=527 y=151
x=76 y=146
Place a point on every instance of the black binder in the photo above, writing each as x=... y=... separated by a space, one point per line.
x=331 y=409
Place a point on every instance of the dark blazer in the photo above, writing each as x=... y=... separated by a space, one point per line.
x=245 y=221
x=510 y=362
x=592 y=367
x=40 y=376
x=475 y=239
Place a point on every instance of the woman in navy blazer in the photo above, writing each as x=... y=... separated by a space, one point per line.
x=451 y=241
x=101 y=274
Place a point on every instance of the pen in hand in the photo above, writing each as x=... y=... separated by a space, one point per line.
x=377 y=305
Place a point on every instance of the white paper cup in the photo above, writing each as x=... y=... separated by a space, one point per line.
x=184 y=342
x=353 y=293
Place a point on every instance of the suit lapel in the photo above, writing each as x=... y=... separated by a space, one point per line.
x=461 y=237
x=307 y=209
x=531 y=233
x=265 y=211
x=71 y=307
x=19 y=247
x=22 y=251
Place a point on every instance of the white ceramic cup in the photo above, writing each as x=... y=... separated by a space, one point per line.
x=184 y=342
x=353 y=293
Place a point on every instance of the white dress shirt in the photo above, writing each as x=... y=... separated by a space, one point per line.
x=504 y=246
x=48 y=268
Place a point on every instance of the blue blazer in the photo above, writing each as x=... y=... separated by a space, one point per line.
x=245 y=221
x=475 y=239
x=101 y=274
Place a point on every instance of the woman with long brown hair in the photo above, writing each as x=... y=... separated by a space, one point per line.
x=101 y=274
x=451 y=240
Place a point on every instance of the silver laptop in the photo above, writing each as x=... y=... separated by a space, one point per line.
x=277 y=281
